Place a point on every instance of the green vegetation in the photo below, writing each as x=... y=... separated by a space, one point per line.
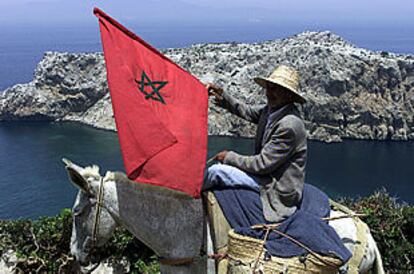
x=392 y=226
x=43 y=245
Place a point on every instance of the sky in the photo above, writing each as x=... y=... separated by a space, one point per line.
x=164 y=12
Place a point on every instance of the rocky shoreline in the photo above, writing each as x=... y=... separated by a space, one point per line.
x=352 y=92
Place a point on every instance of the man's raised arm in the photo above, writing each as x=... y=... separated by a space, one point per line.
x=225 y=100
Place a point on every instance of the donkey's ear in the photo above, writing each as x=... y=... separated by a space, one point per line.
x=74 y=172
x=77 y=179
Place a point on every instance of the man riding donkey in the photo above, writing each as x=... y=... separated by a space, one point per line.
x=277 y=169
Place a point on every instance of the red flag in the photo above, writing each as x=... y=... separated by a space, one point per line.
x=160 y=111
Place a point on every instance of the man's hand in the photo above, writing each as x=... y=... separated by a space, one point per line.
x=214 y=90
x=220 y=156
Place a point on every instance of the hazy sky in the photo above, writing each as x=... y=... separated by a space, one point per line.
x=207 y=11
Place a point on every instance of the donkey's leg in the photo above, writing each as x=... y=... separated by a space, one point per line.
x=211 y=264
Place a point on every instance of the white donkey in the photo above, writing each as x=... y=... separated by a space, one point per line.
x=168 y=222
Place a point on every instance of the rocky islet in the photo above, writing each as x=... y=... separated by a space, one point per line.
x=352 y=92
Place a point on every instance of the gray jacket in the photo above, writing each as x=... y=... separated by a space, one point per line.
x=280 y=156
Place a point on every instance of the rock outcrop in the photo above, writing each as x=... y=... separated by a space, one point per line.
x=352 y=92
x=9 y=262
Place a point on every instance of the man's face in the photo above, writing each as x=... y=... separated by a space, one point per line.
x=272 y=92
x=276 y=95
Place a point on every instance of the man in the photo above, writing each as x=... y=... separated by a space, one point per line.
x=277 y=169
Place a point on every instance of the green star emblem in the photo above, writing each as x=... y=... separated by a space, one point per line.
x=155 y=87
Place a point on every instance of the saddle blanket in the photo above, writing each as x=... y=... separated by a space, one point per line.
x=243 y=209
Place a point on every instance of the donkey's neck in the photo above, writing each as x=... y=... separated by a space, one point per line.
x=169 y=223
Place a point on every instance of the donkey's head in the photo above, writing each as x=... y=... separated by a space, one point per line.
x=93 y=225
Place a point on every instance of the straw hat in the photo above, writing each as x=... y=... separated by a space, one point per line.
x=286 y=77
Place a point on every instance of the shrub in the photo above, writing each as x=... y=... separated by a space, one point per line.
x=43 y=245
x=392 y=226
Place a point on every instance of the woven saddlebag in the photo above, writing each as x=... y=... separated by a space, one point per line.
x=243 y=252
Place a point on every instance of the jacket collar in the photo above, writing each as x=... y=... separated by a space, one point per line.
x=274 y=115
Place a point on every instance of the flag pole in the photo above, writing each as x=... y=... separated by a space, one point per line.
x=209 y=161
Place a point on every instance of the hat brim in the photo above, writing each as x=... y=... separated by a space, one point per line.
x=263 y=82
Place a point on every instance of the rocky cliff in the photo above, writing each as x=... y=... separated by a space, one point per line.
x=352 y=92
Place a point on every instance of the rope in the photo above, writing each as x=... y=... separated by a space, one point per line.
x=217 y=256
x=98 y=212
x=261 y=250
x=344 y=216
x=209 y=161
x=273 y=227
x=353 y=215
x=320 y=258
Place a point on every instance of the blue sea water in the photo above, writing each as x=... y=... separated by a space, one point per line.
x=33 y=182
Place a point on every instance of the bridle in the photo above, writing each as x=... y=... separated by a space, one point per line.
x=95 y=230
x=99 y=205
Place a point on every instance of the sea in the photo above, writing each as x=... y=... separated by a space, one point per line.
x=33 y=181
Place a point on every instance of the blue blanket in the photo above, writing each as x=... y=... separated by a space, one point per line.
x=243 y=208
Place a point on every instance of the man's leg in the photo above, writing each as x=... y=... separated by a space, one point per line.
x=228 y=176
